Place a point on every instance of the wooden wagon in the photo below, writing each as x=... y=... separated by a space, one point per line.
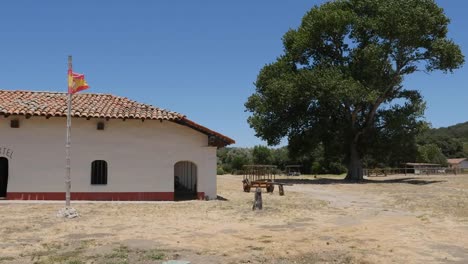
x=259 y=176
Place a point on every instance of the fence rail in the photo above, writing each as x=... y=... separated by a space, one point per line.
x=382 y=172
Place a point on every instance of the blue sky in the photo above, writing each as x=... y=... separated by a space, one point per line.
x=199 y=58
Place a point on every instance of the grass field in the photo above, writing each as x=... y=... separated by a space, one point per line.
x=320 y=219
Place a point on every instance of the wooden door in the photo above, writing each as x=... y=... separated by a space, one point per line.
x=3 y=176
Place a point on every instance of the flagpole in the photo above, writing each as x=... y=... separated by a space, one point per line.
x=68 y=143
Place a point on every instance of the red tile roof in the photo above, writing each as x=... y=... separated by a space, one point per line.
x=88 y=105
x=455 y=161
x=421 y=164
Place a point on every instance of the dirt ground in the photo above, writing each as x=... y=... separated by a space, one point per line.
x=397 y=219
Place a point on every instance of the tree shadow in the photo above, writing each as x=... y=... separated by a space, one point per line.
x=220 y=198
x=320 y=181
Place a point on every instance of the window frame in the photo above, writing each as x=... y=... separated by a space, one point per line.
x=99 y=172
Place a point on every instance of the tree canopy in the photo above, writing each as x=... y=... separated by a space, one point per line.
x=232 y=160
x=339 y=82
x=452 y=140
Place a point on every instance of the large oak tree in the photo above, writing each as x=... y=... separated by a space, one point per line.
x=339 y=82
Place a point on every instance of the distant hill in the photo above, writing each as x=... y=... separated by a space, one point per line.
x=455 y=132
x=459 y=131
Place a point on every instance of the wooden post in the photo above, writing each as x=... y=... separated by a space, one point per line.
x=281 y=190
x=68 y=143
x=258 y=205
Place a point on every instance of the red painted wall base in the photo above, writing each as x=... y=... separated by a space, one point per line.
x=94 y=196
x=201 y=196
x=97 y=196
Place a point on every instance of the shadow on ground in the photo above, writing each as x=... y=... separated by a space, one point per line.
x=221 y=198
x=414 y=181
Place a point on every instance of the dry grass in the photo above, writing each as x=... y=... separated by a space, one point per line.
x=319 y=220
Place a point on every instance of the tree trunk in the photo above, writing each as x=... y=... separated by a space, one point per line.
x=355 y=172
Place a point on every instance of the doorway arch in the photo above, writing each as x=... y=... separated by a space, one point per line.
x=3 y=177
x=185 y=181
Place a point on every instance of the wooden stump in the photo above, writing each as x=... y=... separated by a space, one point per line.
x=257 y=205
x=281 y=190
x=246 y=185
x=270 y=188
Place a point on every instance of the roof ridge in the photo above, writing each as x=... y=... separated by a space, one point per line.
x=457 y=159
x=53 y=92
x=87 y=93
x=131 y=101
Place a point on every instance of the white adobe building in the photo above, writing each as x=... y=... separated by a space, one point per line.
x=121 y=149
x=459 y=165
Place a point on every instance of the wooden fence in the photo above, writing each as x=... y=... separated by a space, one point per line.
x=382 y=172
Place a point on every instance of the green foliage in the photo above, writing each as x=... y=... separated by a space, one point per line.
x=262 y=155
x=221 y=153
x=335 y=168
x=339 y=81
x=75 y=262
x=6 y=258
x=395 y=146
x=233 y=159
x=281 y=157
x=316 y=167
x=238 y=162
x=452 y=140
x=431 y=153
x=391 y=150
x=118 y=255
x=459 y=131
x=220 y=171
x=154 y=255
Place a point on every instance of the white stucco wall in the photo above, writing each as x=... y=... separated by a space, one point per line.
x=140 y=155
x=464 y=164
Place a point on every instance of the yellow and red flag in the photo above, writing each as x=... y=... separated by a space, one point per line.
x=76 y=82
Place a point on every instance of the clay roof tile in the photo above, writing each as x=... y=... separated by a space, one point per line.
x=90 y=105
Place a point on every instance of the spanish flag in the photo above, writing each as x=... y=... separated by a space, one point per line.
x=76 y=82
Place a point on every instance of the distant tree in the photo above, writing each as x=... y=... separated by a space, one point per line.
x=452 y=140
x=339 y=81
x=262 y=155
x=238 y=162
x=451 y=147
x=431 y=153
x=236 y=158
x=280 y=157
x=395 y=145
x=316 y=167
x=459 y=131
x=221 y=155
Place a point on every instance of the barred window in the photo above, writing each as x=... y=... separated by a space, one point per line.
x=99 y=172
